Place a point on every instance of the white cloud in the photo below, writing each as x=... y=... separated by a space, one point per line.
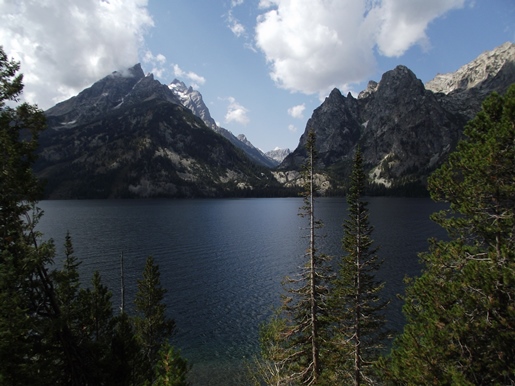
x=264 y=4
x=313 y=46
x=236 y=112
x=297 y=111
x=404 y=22
x=157 y=62
x=65 y=46
x=235 y=3
x=292 y=128
x=195 y=79
x=234 y=25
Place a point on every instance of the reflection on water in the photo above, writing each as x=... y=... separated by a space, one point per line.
x=222 y=261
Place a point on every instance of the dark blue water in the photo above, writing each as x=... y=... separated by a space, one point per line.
x=222 y=261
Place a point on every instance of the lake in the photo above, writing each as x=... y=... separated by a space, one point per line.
x=222 y=260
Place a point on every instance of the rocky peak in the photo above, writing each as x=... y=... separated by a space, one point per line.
x=243 y=138
x=135 y=72
x=180 y=89
x=484 y=67
x=371 y=88
x=401 y=128
x=463 y=91
x=404 y=130
x=397 y=82
x=278 y=154
x=192 y=99
x=148 y=88
x=103 y=96
x=336 y=127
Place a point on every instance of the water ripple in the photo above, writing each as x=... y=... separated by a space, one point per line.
x=222 y=261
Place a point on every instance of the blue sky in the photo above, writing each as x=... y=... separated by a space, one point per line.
x=262 y=66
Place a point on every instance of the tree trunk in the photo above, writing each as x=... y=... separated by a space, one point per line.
x=314 y=321
x=357 y=321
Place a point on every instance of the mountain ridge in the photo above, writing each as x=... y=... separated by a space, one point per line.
x=404 y=129
x=470 y=75
x=128 y=135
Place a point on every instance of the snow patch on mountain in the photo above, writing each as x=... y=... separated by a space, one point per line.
x=192 y=99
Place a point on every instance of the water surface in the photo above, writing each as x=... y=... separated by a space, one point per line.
x=222 y=261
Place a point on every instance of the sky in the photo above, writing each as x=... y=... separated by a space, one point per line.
x=262 y=66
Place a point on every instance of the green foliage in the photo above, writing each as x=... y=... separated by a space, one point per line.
x=28 y=307
x=153 y=327
x=67 y=285
x=272 y=367
x=171 y=368
x=98 y=323
x=357 y=333
x=126 y=355
x=291 y=342
x=460 y=312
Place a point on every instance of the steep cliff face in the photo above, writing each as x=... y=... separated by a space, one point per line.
x=406 y=132
x=404 y=129
x=337 y=126
x=401 y=128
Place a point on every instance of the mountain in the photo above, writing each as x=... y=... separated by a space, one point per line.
x=278 y=154
x=405 y=129
x=128 y=135
x=485 y=72
x=252 y=152
x=192 y=99
x=463 y=91
x=120 y=89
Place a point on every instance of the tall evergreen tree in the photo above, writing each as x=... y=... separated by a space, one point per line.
x=97 y=327
x=33 y=341
x=356 y=309
x=171 y=369
x=126 y=355
x=67 y=285
x=461 y=311
x=291 y=343
x=153 y=328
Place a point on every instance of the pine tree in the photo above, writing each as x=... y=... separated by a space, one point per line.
x=171 y=369
x=97 y=326
x=126 y=355
x=67 y=285
x=51 y=331
x=96 y=302
x=291 y=342
x=33 y=341
x=460 y=312
x=153 y=327
x=356 y=310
